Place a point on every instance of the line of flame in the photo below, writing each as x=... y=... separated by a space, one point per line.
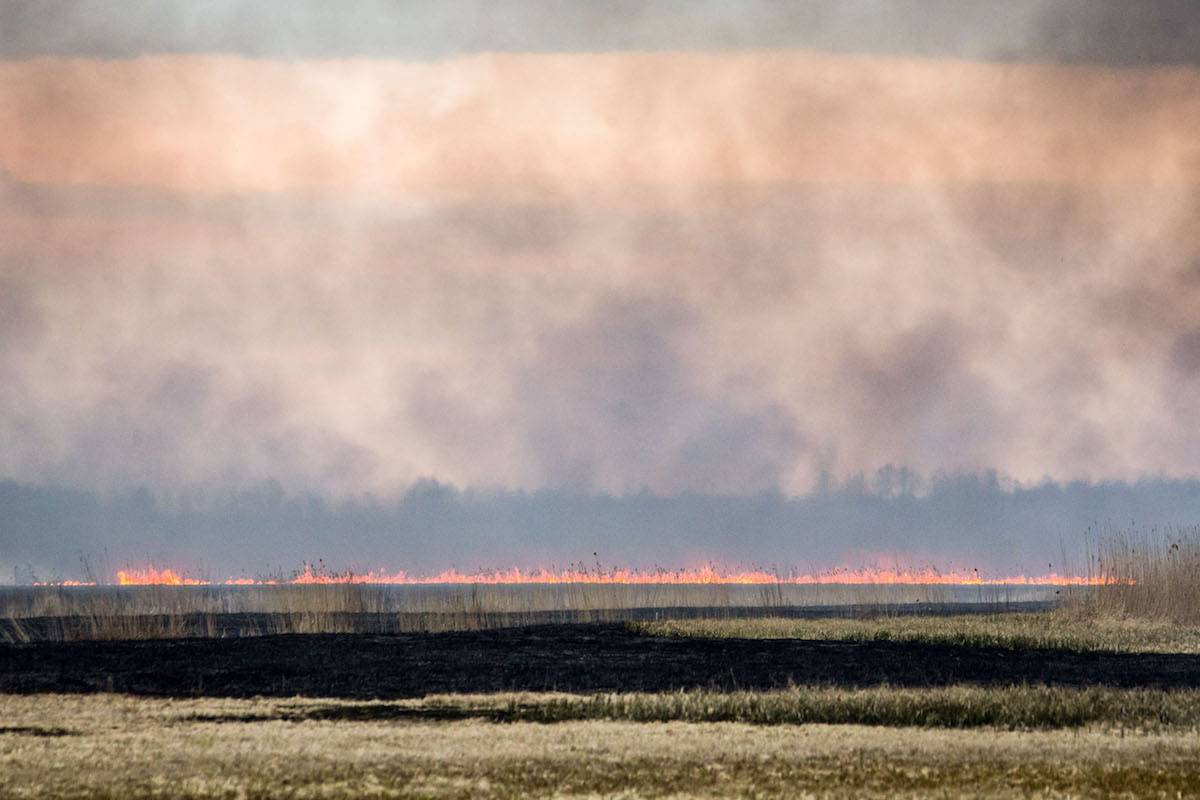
x=156 y=577
x=152 y=576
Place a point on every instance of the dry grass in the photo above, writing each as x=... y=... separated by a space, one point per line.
x=1052 y=630
x=51 y=601
x=1153 y=575
x=1013 y=707
x=93 y=613
x=111 y=746
x=959 y=707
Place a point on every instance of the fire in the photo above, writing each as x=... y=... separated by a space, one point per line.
x=709 y=574
x=155 y=577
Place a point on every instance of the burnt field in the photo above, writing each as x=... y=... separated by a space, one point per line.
x=565 y=658
x=524 y=691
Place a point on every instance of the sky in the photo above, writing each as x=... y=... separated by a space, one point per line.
x=633 y=267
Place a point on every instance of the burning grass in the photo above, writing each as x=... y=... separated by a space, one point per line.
x=1139 y=593
x=580 y=573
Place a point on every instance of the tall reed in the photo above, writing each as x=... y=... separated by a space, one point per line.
x=111 y=612
x=1144 y=574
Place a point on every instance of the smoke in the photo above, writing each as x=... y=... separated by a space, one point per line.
x=1185 y=354
x=1096 y=31
x=595 y=127
x=955 y=523
x=737 y=342
x=687 y=256
x=610 y=401
x=683 y=352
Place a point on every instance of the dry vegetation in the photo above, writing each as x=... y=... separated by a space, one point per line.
x=1149 y=602
x=111 y=746
x=1152 y=575
x=94 y=613
x=1011 y=708
x=46 y=601
x=958 y=740
x=1018 y=707
x=1025 y=708
x=1052 y=630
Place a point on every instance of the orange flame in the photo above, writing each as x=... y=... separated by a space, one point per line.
x=155 y=577
x=151 y=576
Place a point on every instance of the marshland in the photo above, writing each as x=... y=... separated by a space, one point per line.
x=705 y=398
x=67 y=613
x=510 y=690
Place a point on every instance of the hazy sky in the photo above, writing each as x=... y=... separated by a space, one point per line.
x=712 y=248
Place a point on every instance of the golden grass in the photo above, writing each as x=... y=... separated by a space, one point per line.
x=1051 y=630
x=1152 y=575
x=113 y=746
x=1012 y=707
x=958 y=707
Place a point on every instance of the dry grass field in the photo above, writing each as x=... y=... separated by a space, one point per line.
x=1061 y=629
x=105 y=746
x=724 y=691
x=63 y=613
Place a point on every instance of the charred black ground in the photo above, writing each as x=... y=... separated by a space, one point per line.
x=577 y=658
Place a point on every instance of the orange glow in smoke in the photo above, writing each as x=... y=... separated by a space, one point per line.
x=151 y=576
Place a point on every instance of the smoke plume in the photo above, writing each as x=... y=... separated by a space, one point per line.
x=698 y=252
